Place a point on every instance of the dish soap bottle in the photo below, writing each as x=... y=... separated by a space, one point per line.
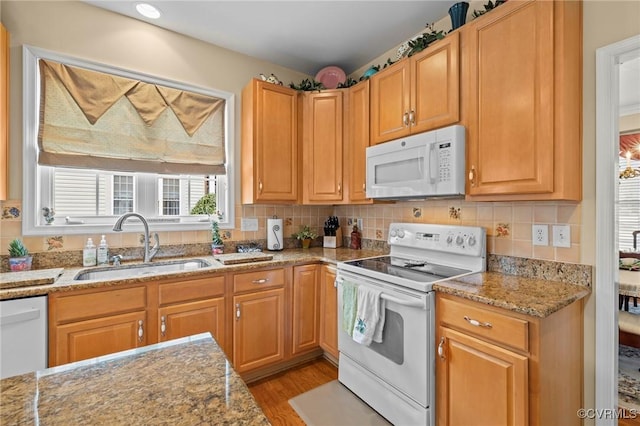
x=89 y=254
x=103 y=252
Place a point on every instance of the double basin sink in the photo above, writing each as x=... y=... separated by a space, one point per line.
x=142 y=269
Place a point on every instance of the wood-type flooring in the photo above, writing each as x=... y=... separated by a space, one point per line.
x=274 y=392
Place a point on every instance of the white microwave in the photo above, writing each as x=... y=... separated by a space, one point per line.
x=429 y=164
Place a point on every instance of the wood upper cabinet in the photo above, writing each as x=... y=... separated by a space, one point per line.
x=329 y=311
x=306 y=309
x=357 y=142
x=192 y=307
x=503 y=368
x=87 y=324
x=417 y=94
x=259 y=319
x=4 y=113
x=524 y=102
x=269 y=143
x=323 y=140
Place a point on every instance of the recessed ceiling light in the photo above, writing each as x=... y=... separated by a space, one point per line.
x=148 y=11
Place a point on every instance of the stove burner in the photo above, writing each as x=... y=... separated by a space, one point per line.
x=416 y=270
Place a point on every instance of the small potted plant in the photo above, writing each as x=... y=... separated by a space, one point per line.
x=19 y=259
x=217 y=245
x=306 y=235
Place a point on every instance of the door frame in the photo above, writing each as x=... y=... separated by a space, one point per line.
x=608 y=59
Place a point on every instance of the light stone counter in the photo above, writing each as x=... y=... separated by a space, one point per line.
x=535 y=287
x=186 y=381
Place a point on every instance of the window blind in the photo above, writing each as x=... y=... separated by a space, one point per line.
x=628 y=207
x=90 y=119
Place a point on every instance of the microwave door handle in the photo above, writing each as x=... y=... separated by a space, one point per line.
x=433 y=163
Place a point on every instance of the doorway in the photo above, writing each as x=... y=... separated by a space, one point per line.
x=608 y=59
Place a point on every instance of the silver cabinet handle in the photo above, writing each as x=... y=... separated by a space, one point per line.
x=441 y=349
x=260 y=186
x=140 y=330
x=364 y=187
x=163 y=326
x=477 y=323
x=339 y=187
x=237 y=311
x=261 y=281
x=405 y=118
x=412 y=117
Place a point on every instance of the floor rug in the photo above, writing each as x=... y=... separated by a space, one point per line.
x=332 y=404
x=629 y=377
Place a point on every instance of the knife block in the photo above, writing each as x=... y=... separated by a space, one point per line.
x=333 y=241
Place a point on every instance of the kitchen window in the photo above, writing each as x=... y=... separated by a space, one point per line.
x=173 y=190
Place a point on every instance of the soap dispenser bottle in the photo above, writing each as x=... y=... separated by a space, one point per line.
x=89 y=254
x=103 y=252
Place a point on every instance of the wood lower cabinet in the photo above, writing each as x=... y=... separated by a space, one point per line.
x=259 y=319
x=499 y=367
x=525 y=124
x=193 y=307
x=91 y=323
x=329 y=311
x=269 y=136
x=305 y=309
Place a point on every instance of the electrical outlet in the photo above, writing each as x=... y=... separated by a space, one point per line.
x=359 y=222
x=249 y=224
x=561 y=236
x=540 y=235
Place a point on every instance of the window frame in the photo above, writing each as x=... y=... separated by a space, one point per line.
x=31 y=172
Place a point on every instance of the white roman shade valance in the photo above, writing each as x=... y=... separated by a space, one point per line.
x=95 y=120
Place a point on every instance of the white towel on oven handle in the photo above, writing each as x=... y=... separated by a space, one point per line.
x=370 y=316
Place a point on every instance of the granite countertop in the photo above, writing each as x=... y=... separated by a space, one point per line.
x=532 y=296
x=185 y=381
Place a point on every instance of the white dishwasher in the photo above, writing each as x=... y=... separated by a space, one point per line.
x=23 y=335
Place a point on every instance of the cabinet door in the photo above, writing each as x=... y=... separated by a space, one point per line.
x=322 y=147
x=191 y=318
x=479 y=383
x=306 y=313
x=329 y=311
x=4 y=112
x=435 y=81
x=269 y=143
x=511 y=134
x=258 y=329
x=390 y=102
x=87 y=339
x=358 y=141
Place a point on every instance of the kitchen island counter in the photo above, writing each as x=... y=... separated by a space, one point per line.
x=185 y=381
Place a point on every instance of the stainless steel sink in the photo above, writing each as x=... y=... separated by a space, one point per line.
x=129 y=271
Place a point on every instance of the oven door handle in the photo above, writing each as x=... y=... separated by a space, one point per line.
x=410 y=303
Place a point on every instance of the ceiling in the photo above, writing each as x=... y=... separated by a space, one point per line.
x=303 y=35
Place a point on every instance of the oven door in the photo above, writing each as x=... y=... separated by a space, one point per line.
x=404 y=359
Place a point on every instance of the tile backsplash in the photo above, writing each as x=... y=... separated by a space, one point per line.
x=508 y=225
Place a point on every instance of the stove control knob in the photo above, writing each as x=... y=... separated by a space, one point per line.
x=400 y=233
x=449 y=239
x=459 y=240
x=471 y=241
x=393 y=233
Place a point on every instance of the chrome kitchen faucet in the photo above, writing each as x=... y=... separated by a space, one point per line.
x=148 y=253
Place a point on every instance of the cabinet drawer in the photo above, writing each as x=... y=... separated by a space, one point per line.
x=101 y=303
x=258 y=280
x=502 y=329
x=183 y=291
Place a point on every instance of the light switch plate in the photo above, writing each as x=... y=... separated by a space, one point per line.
x=249 y=224
x=561 y=236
